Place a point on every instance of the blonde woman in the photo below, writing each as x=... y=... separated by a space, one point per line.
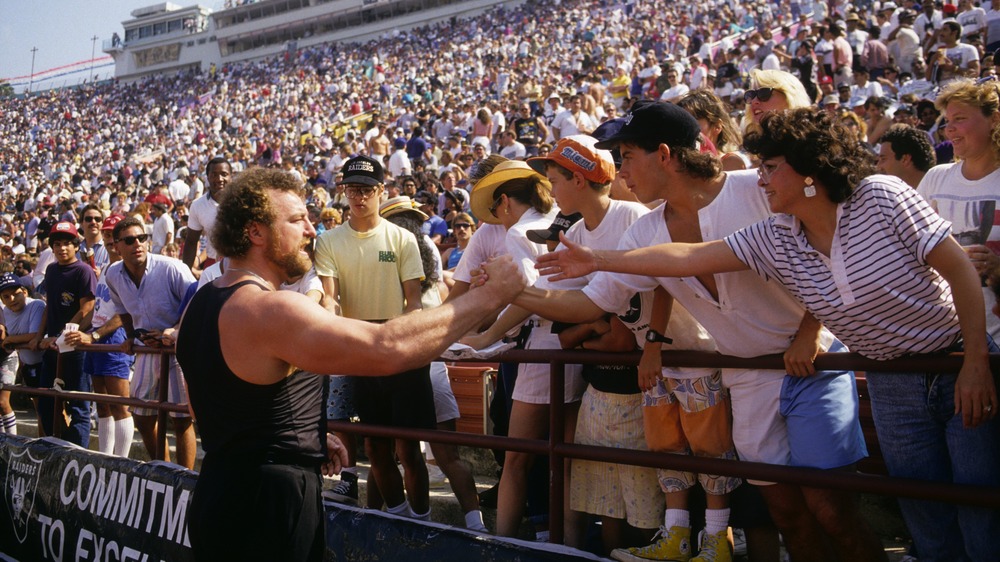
x=771 y=90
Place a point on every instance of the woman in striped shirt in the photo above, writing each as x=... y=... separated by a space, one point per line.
x=869 y=258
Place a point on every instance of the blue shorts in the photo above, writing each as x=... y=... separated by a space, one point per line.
x=821 y=413
x=109 y=364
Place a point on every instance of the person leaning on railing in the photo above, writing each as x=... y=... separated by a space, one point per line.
x=870 y=259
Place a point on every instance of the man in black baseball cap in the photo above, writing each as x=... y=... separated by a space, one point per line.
x=362 y=170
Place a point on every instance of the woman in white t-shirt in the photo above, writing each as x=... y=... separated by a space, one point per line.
x=870 y=259
x=967 y=192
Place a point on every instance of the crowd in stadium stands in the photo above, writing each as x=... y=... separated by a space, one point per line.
x=122 y=172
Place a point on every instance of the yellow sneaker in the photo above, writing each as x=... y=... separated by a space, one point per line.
x=674 y=546
x=714 y=548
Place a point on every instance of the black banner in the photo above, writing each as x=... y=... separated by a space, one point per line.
x=63 y=503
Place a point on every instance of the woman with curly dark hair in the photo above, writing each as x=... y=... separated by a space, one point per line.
x=868 y=257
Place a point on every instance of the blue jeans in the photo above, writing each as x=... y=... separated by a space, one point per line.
x=74 y=378
x=922 y=438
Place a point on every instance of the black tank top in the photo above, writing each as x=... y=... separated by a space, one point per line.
x=237 y=417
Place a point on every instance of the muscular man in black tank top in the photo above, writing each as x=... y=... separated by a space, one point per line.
x=243 y=348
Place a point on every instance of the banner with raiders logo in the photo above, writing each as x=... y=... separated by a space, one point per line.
x=60 y=502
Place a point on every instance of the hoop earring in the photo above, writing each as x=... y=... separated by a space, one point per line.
x=809 y=189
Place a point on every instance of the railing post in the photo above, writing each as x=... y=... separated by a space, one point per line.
x=58 y=416
x=557 y=463
x=161 y=415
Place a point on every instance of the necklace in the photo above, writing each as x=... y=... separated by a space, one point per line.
x=268 y=283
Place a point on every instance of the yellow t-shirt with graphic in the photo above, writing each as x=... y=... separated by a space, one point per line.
x=370 y=268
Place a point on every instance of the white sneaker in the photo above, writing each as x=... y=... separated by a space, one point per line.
x=435 y=475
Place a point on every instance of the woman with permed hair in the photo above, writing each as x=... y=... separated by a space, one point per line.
x=869 y=258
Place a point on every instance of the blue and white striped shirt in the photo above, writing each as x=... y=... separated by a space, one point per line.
x=876 y=291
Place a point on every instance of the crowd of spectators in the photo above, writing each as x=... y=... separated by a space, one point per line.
x=434 y=102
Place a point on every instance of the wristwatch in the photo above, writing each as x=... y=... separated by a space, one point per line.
x=95 y=336
x=652 y=336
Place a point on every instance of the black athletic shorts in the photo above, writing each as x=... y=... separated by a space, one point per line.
x=402 y=400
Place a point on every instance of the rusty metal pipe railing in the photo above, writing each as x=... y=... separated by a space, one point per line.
x=558 y=450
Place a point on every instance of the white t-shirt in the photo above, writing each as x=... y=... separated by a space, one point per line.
x=487 y=242
x=682 y=328
x=568 y=124
x=965 y=204
x=973 y=21
x=620 y=216
x=202 y=217
x=751 y=316
x=524 y=251
x=163 y=232
x=674 y=92
x=308 y=282
x=992 y=26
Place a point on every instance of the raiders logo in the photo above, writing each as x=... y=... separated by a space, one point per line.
x=22 y=481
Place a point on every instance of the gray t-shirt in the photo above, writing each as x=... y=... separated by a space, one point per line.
x=26 y=322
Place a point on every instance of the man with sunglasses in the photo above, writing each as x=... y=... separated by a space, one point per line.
x=147 y=290
x=530 y=130
x=372 y=270
x=92 y=248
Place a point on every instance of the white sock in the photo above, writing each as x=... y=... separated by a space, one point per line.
x=10 y=424
x=428 y=452
x=124 y=433
x=420 y=516
x=106 y=435
x=403 y=509
x=474 y=521
x=716 y=520
x=676 y=518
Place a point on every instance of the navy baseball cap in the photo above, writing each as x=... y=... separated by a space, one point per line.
x=656 y=122
x=9 y=281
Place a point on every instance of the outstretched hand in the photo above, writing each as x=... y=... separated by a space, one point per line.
x=572 y=262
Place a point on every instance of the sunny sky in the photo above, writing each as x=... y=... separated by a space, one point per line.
x=61 y=30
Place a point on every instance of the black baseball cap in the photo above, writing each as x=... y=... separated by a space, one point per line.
x=656 y=121
x=363 y=170
x=551 y=234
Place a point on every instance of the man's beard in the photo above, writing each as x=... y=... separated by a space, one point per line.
x=293 y=264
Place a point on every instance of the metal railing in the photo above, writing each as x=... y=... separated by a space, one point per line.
x=558 y=450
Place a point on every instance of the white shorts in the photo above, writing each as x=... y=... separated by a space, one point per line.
x=146 y=384
x=445 y=405
x=532 y=385
x=759 y=430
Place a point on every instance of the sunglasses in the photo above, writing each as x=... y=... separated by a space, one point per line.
x=129 y=240
x=359 y=192
x=763 y=94
x=92 y=219
x=493 y=207
x=463 y=225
